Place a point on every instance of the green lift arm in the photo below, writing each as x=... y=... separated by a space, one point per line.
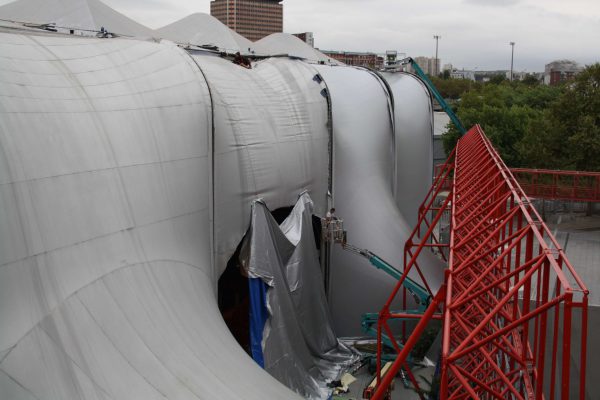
x=419 y=293
x=369 y=320
x=333 y=232
x=421 y=296
x=419 y=72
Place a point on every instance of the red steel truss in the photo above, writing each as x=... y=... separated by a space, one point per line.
x=559 y=185
x=510 y=299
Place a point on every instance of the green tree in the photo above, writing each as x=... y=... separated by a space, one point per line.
x=454 y=88
x=505 y=126
x=568 y=135
x=506 y=111
x=530 y=80
x=496 y=79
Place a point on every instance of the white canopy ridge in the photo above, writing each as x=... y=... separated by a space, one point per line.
x=79 y=15
x=203 y=29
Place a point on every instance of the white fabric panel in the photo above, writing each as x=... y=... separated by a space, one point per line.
x=106 y=283
x=271 y=141
x=142 y=334
x=285 y=43
x=10 y=389
x=203 y=29
x=82 y=14
x=413 y=113
x=363 y=197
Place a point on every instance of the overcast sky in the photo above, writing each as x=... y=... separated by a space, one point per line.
x=475 y=33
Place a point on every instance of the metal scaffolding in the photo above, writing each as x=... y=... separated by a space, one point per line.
x=510 y=300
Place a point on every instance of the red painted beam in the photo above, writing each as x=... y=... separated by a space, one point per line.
x=501 y=257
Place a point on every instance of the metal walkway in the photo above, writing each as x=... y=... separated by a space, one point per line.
x=511 y=299
x=578 y=186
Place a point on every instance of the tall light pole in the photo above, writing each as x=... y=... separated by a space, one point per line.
x=437 y=38
x=512 y=59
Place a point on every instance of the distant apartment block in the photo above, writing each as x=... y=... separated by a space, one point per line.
x=485 y=76
x=462 y=74
x=370 y=60
x=429 y=65
x=560 y=71
x=253 y=19
x=306 y=37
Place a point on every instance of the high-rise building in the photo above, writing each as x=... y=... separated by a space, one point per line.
x=253 y=19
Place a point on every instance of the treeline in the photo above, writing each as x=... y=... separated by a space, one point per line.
x=533 y=125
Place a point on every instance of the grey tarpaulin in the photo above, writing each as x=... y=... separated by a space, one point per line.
x=300 y=347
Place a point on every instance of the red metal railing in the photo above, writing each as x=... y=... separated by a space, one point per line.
x=501 y=315
x=579 y=186
x=559 y=185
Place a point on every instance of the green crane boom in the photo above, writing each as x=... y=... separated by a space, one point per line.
x=420 y=294
x=435 y=93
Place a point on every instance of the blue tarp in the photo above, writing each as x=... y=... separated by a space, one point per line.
x=258 y=317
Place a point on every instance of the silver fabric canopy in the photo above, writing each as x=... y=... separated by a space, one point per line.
x=127 y=174
x=365 y=156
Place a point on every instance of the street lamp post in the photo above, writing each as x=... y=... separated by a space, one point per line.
x=437 y=68
x=512 y=59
